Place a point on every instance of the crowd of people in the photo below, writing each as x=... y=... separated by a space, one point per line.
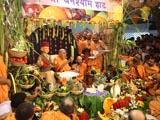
x=143 y=63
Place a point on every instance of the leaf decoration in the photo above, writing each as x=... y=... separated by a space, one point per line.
x=43 y=33
x=57 y=31
x=48 y=30
x=74 y=43
x=74 y=23
x=83 y=24
x=69 y=38
x=63 y=23
x=41 y=23
x=36 y=35
x=51 y=24
x=53 y=34
x=92 y=25
x=62 y=33
x=72 y=51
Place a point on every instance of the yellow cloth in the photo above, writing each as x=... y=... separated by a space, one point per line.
x=53 y=115
x=11 y=116
x=83 y=45
x=141 y=71
x=82 y=68
x=150 y=70
x=98 y=61
x=155 y=107
x=79 y=42
x=57 y=65
x=3 y=88
x=131 y=74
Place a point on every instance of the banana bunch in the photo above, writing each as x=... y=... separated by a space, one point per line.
x=145 y=11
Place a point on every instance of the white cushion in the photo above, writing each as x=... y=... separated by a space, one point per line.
x=5 y=107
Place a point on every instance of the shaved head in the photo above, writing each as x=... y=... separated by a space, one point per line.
x=136 y=115
x=61 y=50
x=62 y=53
x=79 y=60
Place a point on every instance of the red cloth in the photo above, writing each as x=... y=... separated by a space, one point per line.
x=123 y=103
x=44 y=44
x=45 y=64
x=83 y=116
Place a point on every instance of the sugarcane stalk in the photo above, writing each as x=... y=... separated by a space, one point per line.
x=13 y=82
x=57 y=31
x=62 y=33
x=53 y=34
x=36 y=34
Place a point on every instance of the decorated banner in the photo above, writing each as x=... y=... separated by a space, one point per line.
x=85 y=10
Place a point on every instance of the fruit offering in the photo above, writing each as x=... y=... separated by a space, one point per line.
x=22 y=60
x=27 y=80
x=63 y=89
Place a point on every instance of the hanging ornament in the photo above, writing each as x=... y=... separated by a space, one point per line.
x=36 y=34
x=74 y=23
x=69 y=38
x=72 y=51
x=92 y=25
x=51 y=23
x=62 y=33
x=41 y=23
x=63 y=23
x=53 y=34
x=48 y=31
x=57 y=31
x=74 y=43
x=101 y=24
x=43 y=30
x=83 y=24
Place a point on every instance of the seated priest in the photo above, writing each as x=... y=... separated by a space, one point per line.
x=150 y=67
x=45 y=64
x=61 y=64
x=80 y=66
x=66 y=111
x=155 y=85
x=155 y=105
x=131 y=72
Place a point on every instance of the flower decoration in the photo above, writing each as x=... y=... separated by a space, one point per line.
x=63 y=89
x=140 y=103
x=79 y=110
x=133 y=104
x=100 y=78
x=64 y=81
